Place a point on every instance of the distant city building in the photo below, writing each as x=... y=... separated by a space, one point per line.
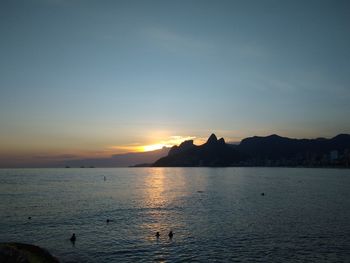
x=333 y=155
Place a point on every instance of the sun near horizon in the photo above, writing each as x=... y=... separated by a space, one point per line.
x=165 y=143
x=93 y=79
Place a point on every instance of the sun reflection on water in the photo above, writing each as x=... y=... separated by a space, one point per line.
x=155 y=187
x=159 y=200
x=165 y=196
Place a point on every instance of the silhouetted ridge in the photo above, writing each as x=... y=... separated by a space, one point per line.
x=213 y=153
x=272 y=150
x=221 y=141
x=281 y=151
x=181 y=148
x=212 y=139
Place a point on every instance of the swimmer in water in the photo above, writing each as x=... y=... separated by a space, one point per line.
x=73 y=238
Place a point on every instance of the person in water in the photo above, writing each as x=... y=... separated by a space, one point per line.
x=157 y=235
x=73 y=238
x=171 y=234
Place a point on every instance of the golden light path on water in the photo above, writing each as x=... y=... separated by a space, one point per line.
x=161 y=197
x=166 y=192
x=156 y=199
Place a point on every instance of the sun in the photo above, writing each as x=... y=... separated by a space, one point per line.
x=166 y=142
x=152 y=147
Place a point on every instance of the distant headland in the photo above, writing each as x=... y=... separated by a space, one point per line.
x=271 y=150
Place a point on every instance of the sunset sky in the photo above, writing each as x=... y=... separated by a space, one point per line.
x=84 y=78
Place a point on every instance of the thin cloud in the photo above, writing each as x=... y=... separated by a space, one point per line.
x=173 y=41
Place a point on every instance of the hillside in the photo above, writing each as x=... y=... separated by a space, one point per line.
x=271 y=150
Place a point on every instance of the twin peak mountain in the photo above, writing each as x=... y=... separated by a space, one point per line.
x=271 y=150
x=212 y=153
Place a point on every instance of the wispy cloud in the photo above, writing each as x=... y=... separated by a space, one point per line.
x=174 y=41
x=123 y=148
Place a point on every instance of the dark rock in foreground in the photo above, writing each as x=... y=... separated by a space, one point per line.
x=24 y=253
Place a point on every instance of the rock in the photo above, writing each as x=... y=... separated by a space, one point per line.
x=184 y=146
x=24 y=253
x=212 y=139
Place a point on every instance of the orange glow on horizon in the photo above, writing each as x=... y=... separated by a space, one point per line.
x=153 y=147
x=157 y=145
x=169 y=142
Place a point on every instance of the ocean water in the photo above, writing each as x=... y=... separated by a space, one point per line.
x=216 y=214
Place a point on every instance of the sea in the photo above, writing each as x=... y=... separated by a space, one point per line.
x=216 y=214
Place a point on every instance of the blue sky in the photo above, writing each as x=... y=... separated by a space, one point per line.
x=84 y=77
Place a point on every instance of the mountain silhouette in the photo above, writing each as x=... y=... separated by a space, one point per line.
x=276 y=147
x=272 y=150
x=213 y=153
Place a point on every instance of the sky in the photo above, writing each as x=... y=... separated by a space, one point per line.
x=84 y=78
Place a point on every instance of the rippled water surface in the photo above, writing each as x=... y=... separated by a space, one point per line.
x=216 y=214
